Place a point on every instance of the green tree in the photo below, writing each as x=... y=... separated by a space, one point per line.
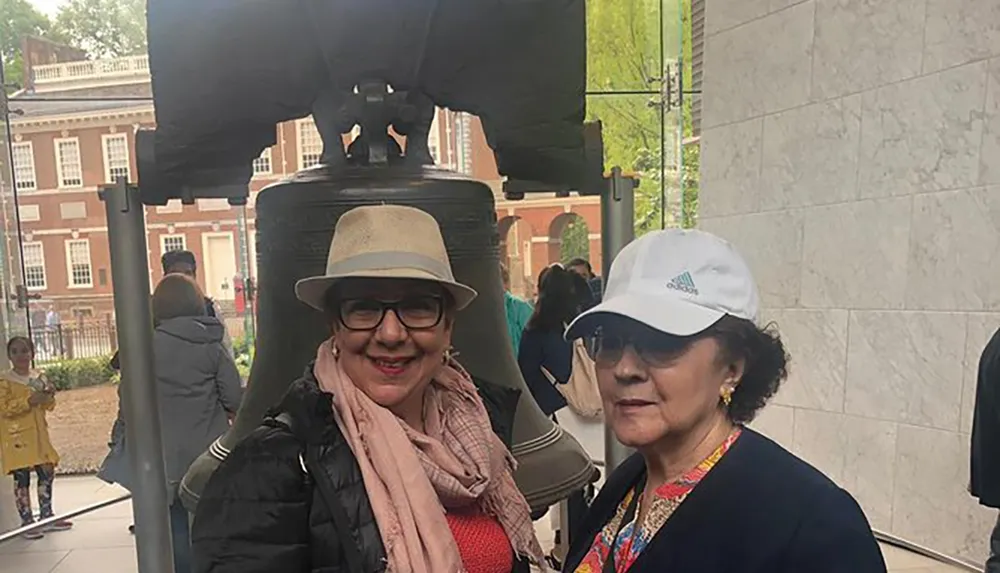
x=575 y=241
x=104 y=28
x=623 y=55
x=18 y=19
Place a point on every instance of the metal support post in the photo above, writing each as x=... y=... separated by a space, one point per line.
x=134 y=317
x=617 y=230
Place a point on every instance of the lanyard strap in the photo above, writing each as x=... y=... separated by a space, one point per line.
x=627 y=517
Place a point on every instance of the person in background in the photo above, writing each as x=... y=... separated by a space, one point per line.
x=985 y=454
x=183 y=263
x=518 y=311
x=582 y=267
x=198 y=388
x=542 y=343
x=682 y=368
x=25 y=396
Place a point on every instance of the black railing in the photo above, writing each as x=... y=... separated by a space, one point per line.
x=90 y=339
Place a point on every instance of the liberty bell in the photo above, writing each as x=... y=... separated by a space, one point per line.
x=295 y=223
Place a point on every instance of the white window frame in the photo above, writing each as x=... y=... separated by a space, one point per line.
x=105 y=151
x=300 y=143
x=41 y=259
x=19 y=182
x=60 y=179
x=69 y=264
x=172 y=206
x=265 y=159
x=166 y=237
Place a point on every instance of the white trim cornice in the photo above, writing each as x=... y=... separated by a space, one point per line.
x=100 y=118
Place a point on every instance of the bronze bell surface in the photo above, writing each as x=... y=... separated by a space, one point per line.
x=295 y=223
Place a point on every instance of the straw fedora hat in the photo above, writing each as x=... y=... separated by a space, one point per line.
x=385 y=241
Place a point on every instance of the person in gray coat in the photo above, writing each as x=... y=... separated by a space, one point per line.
x=198 y=389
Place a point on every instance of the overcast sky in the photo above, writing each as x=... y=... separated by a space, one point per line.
x=48 y=6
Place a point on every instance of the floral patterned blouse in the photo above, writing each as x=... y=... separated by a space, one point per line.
x=666 y=499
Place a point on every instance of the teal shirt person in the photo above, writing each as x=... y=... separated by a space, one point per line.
x=519 y=313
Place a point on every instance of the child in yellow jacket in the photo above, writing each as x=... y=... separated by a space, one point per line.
x=25 y=396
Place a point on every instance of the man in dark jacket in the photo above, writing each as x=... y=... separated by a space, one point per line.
x=985 y=474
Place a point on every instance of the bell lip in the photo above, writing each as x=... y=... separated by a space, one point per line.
x=312 y=290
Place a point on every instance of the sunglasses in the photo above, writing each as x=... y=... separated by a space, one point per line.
x=656 y=349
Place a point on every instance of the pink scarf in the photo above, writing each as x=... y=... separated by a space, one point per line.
x=412 y=478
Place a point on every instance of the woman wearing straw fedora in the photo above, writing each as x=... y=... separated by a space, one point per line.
x=682 y=366
x=382 y=457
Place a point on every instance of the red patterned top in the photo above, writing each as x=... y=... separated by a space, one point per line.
x=633 y=537
x=482 y=542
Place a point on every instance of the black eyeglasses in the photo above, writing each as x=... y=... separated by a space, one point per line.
x=654 y=348
x=414 y=312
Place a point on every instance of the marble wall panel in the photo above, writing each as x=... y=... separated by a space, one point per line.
x=861 y=44
x=771 y=243
x=776 y=422
x=906 y=367
x=761 y=67
x=724 y=14
x=730 y=177
x=816 y=340
x=869 y=466
x=811 y=155
x=855 y=254
x=923 y=134
x=931 y=504
x=989 y=164
x=960 y=31
x=820 y=439
x=954 y=261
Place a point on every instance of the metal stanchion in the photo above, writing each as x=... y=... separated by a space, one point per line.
x=134 y=317
x=617 y=230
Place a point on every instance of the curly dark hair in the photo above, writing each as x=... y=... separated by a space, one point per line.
x=766 y=363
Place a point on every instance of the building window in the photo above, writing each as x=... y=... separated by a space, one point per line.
x=216 y=204
x=29 y=213
x=68 y=165
x=116 y=157
x=73 y=210
x=24 y=166
x=172 y=243
x=310 y=143
x=78 y=263
x=262 y=165
x=434 y=137
x=33 y=256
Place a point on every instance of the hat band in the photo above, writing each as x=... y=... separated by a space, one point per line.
x=384 y=260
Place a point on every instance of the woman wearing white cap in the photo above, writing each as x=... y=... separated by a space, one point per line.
x=682 y=366
x=382 y=458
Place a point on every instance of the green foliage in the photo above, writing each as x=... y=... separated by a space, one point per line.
x=80 y=372
x=18 y=18
x=575 y=241
x=243 y=352
x=104 y=28
x=624 y=54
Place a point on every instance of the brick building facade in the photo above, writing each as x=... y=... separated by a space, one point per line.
x=73 y=131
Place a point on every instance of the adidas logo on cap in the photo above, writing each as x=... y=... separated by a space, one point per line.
x=684 y=283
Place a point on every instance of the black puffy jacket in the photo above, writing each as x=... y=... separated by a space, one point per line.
x=290 y=497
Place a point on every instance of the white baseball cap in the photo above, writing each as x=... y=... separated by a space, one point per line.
x=676 y=281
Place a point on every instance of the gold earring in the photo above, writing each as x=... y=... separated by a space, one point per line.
x=727 y=396
x=335 y=351
x=447 y=356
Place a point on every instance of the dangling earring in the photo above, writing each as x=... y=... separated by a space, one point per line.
x=335 y=350
x=448 y=355
x=727 y=395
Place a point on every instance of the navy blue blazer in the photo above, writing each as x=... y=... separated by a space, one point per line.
x=759 y=510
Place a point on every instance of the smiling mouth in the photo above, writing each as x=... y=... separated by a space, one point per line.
x=391 y=366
